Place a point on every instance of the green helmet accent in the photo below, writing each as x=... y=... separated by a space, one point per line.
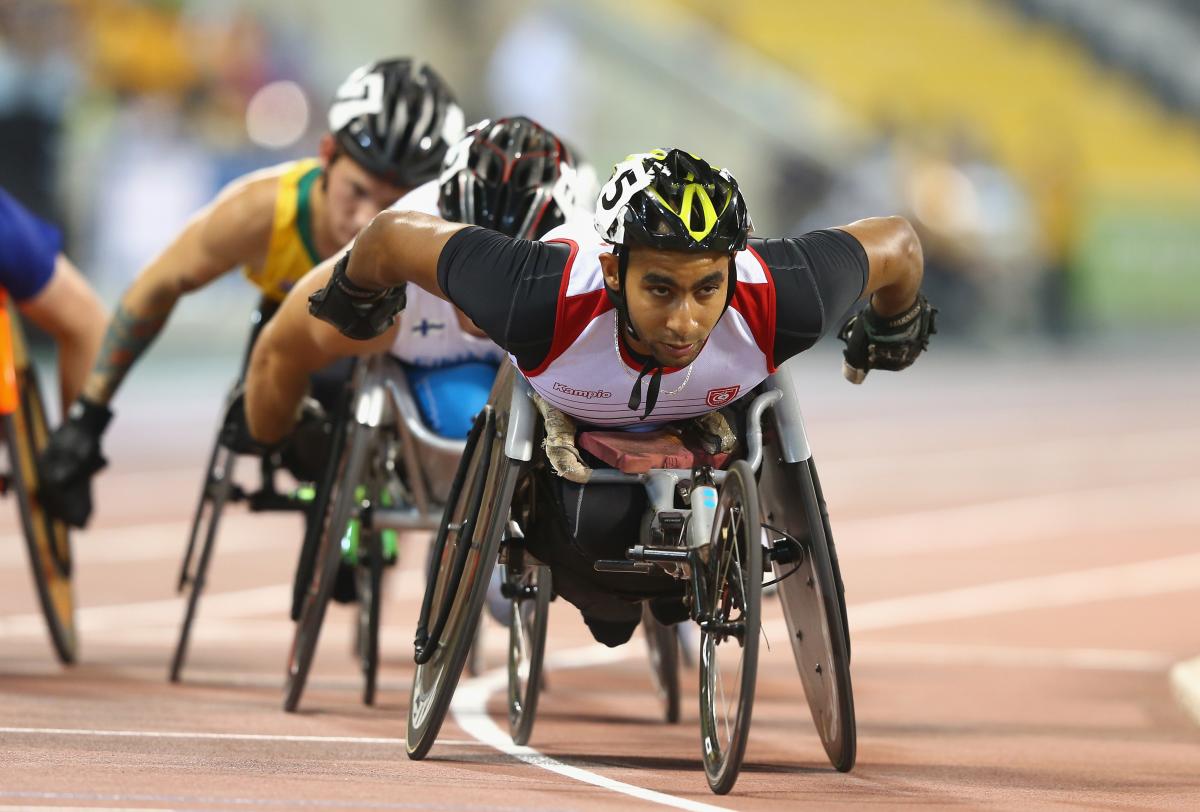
x=673 y=201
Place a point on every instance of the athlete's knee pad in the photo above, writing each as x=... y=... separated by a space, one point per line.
x=449 y=397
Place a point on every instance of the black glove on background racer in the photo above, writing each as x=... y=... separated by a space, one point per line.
x=356 y=312
x=71 y=457
x=885 y=342
x=304 y=451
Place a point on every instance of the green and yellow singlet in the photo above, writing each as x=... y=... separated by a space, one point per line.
x=292 y=252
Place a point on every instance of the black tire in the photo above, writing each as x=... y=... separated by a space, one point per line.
x=369 y=576
x=348 y=467
x=814 y=604
x=189 y=552
x=733 y=597
x=459 y=571
x=47 y=540
x=662 y=645
x=218 y=483
x=529 y=616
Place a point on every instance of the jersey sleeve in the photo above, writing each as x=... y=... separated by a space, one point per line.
x=818 y=277
x=508 y=287
x=28 y=248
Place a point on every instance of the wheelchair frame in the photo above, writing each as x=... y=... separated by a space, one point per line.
x=786 y=491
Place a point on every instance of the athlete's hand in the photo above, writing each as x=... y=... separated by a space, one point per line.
x=885 y=342
x=356 y=312
x=305 y=452
x=235 y=430
x=71 y=457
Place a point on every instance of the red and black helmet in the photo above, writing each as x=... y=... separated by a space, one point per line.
x=511 y=175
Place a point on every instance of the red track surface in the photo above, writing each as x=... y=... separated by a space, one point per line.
x=1020 y=551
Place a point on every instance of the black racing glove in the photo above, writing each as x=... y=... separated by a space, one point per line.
x=885 y=342
x=71 y=457
x=235 y=430
x=306 y=451
x=356 y=312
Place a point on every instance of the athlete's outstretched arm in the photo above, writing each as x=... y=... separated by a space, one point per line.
x=234 y=229
x=70 y=311
x=896 y=261
x=399 y=247
x=291 y=347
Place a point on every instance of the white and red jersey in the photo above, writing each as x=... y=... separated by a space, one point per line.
x=429 y=333
x=589 y=374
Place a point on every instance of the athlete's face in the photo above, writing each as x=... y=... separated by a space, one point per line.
x=353 y=196
x=674 y=300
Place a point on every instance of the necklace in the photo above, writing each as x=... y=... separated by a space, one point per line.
x=632 y=374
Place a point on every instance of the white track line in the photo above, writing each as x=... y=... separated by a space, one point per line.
x=1087 y=659
x=470 y=713
x=1100 y=584
x=145 y=616
x=1175 y=574
x=1104 y=510
x=253 y=737
x=1185 y=680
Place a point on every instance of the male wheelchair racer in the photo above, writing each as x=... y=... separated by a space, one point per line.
x=766 y=509
x=374 y=464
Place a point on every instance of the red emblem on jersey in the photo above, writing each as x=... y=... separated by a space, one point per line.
x=719 y=397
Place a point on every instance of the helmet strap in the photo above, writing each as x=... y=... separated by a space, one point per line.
x=617 y=297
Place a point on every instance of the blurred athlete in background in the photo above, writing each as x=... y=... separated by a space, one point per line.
x=389 y=128
x=50 y=292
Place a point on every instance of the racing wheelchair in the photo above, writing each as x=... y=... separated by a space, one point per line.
x=220 y=489
x=765 y=510
x=23 y=432
x=387 y=472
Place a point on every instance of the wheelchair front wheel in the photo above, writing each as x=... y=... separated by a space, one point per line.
x=218 y=484
x=369 y=579
x=532 y=589
x=662 y=644
x=730 y=616
x=47 y=540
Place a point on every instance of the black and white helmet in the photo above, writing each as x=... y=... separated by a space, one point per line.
x=511 y=175
x=396 y=118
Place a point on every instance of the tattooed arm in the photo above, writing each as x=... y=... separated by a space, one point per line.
x=234 y=229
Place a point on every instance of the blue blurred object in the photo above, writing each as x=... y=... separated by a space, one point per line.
x=449 y=397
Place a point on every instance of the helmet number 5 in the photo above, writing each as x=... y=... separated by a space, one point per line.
x=613 y=188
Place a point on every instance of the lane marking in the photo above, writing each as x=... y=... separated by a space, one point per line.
x=148 y=615
x=1141 y=579
x=469 y=709
x=210 y=801
x=1087 y=659
x=1185 y=681
x=253 y=737
x=1044 y=516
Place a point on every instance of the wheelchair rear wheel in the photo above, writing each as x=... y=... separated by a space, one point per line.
x=662 y=644
x=730 y=608
x=349 y=465
x=47 y=540
x=464 y=553
x=814 y=604
x=531 y=588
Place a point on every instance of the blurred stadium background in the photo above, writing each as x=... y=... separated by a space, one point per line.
x=1048 y=150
